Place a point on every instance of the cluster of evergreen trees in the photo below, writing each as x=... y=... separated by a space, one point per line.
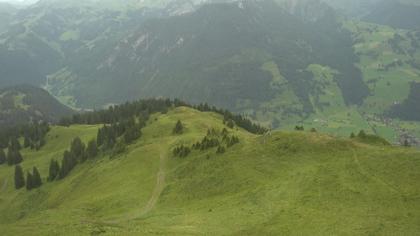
x=33 y=180
x=77 y=154
x=116 y=136
x=118 y=113
x=214 y=138
x=33 y=134
x=113 y=137
x=143 y=108
x=13 y=156
x=362 y=136
x=299 y=128
x=123 y=126
x=231 y=119
x=181 y=151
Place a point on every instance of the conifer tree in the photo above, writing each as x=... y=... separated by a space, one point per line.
x=26 y=141
x=13 y=157
x=18 y=157
x=77 y=147
x=362 y=134
x=68 y=163
x=14 y=144
x=92 y=149
x=2 y=156
x=118 y=148
x=220 y=150
x=100 y=137
x=29 y=181
x=10 y=157
x=19 y=179
x=230 y=123
x=36 y=178
x=179 y=128
x=54 y=170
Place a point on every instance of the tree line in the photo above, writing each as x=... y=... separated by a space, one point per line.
x=110 y=139
x=143 y=108
x=33 y=134
x=33 y=180
x=77 y=154
x=33 y=137
x=214 y=138
x=13 y=156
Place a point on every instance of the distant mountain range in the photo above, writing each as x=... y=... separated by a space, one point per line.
x=280 y=62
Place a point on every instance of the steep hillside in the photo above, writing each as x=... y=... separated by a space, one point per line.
x=22 y=104
x=280 y=62
x=283 y=183
x=403 y=14
x=198 y=57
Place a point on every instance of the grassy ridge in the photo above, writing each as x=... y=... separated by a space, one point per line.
x=286 y=183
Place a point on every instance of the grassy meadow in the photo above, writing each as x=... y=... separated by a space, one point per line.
x=290 y=183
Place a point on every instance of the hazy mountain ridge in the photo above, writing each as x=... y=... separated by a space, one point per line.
x=204 y=51
x=22 y=104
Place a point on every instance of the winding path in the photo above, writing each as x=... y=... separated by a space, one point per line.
x=160 y=185
x=157 y=191
x=3 y=188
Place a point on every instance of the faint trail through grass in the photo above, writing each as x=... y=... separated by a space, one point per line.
x=160 y=185
x=3 y=188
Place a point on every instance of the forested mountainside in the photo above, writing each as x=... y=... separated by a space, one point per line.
x=23 y=104
x=280 y=62
x=398 y=14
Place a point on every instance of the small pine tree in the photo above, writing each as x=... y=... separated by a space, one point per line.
x=18 y=157
x=68 y=163
x=92 y=149
x=54 y=170
x=230 y=123
x=36 y=178
x=19 y=179
x=26 y=141
x=14 y=144
x=2 y=156
x=118 y=148
x=221 y=150
x=77 y=147
x=362 y=134
x=352 y=135
x=406 y=143
x=299 y=128
x=13 y=157
x=179 y=128
x=10 y=157
x=29 y=181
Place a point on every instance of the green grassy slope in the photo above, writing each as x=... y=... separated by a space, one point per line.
x=288 y=183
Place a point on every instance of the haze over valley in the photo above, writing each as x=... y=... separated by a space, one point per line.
x=209 y=117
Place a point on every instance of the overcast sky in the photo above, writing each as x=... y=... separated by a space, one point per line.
x=19 y=1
